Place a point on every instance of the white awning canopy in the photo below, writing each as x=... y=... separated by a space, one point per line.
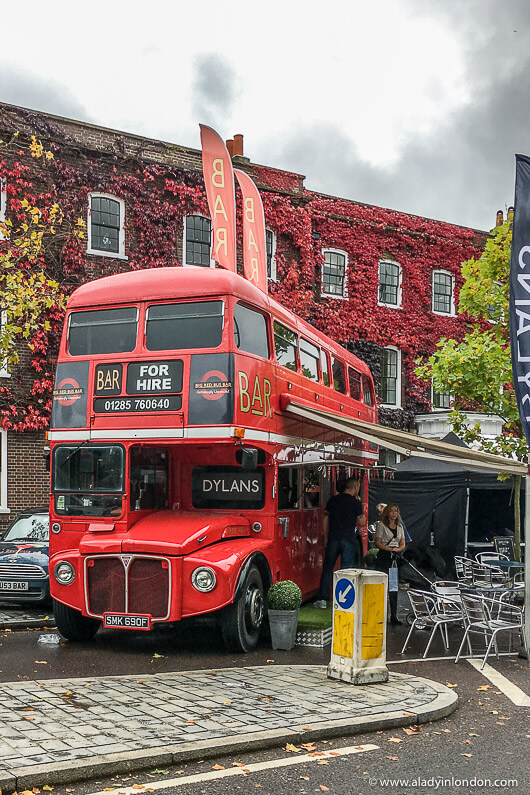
x=404 y=442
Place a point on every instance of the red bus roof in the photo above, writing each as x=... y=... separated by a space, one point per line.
x=168 y=284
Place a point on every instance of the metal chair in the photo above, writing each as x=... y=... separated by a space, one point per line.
x=432 y=611
x=463 y=569
x=488 y=617
x=490 y=557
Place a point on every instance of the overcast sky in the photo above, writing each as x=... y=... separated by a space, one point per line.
x=418 y=105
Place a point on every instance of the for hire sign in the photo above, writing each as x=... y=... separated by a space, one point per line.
x=520 y=291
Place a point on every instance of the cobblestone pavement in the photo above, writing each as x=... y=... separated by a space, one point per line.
x=43 y=723
x=15 y=616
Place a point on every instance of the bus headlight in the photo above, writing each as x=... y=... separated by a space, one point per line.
x=64 y=573
x=203 y=579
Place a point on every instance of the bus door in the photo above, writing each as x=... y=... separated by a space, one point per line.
x=315 y=494
x=290 y=546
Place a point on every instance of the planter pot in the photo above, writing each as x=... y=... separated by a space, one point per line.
x=283 y=625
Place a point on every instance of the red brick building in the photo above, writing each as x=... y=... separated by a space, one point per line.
x=381 y=282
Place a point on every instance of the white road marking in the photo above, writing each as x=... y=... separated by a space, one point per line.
x=254 y=767
x=514 y=693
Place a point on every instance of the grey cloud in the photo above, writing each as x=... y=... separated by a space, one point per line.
x=463 y=171
x=214 y=88
x=19 y=87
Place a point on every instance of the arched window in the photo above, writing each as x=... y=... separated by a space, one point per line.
x=334 y=273
x=197 y=241
x=106 y=225
x=443 y=299
x=390 y=277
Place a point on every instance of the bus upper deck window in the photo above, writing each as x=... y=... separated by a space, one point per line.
x=102 y=331
x=324 y=366
x=355 y=383
x=190 y=324
x=250 y=331
x=286 y=343
x=339 y=380
x=309 y=359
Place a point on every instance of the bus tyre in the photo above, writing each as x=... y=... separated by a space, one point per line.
x=241 y=622
x=72 y=624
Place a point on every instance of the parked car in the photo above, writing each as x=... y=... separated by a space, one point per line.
x=24 y=558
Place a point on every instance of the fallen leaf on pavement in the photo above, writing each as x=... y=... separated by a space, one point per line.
x=324 y=788
x=448 y=684
x=227 y=703
x=503 y=717
x=238 y=764
x=494 y=712
x=472 y=734
x=394 y=740
x=139 y=682
x=218 y=767
x=447 y=731
x=484 y=687
x=47 y=788
x=41 y=662
x=394 y=758
x=293 y=748
x=306 y=729
x=269 y=661
x=467 y=742
x=137 y=786
x=305 y=778
x=308 y=746
x=322 y=762
x=414 y=730
x=466 y=754
x=158 y=655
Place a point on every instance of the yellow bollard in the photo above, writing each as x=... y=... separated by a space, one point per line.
x=358 y=650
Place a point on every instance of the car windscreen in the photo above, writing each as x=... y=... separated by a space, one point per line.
x=184 y=325
x=34 y=527
x=102 y=331
x=88 y=468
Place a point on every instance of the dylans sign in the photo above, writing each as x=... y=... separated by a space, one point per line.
x=520 y=292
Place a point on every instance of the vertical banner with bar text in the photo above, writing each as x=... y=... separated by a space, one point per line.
x=254 y=245
x=219 y=181
x=520 y=292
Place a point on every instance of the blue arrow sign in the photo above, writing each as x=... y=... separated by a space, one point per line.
x=344 y=593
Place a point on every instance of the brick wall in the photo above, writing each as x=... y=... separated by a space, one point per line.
x=27 y=474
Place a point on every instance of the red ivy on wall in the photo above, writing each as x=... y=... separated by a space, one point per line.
x=158 y=197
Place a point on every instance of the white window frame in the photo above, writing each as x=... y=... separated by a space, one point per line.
x=397 y=305
x=120 y=254
x=452 y=312
x=4 y=372
x=273 y=277
x=439 y=408
x=192 y=264
x=3 y=472
x=397 y=404
x=3 y=204
x=343 y=253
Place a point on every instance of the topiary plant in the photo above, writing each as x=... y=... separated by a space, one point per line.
x=284 y=595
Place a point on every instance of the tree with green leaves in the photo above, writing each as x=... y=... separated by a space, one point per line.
x=477 y=371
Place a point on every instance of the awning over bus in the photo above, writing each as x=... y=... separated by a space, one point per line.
x=402 y=441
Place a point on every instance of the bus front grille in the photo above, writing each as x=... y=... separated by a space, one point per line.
x=128 y=584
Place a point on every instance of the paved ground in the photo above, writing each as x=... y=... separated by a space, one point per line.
x=14 y=616
x=129 y=723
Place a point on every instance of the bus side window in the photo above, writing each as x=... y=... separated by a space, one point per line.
x=355 y=383
x=309 y=359
x=324 y=366
x=250 y=331
x=286 y=344
x=339 y=380
x=288 y=489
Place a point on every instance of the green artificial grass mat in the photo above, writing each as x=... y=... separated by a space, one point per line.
x=311 y=617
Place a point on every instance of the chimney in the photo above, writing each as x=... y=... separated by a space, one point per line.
x=230 y=146
x=238 y=145
x=509 y=215
x=500 y=219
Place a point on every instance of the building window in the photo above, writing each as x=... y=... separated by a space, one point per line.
x=440 y=400
x=389 y=283
x=197 y=241
x=3 y=472
x=3 y=364
x=390 y=377
x=443 y=293
x=3 y=205
x=270 y=242
x=334 y=273
x=106 y=229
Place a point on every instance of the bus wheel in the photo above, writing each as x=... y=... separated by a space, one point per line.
x=241 y=622
x=72 y=624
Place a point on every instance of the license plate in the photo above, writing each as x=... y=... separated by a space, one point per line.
x=14 y=586
x=126 y=621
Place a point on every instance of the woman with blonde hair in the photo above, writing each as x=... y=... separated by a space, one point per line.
x=389 y=540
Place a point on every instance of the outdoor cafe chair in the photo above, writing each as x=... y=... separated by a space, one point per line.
x=448 y=588
x=490 y=557
x=463 y=568
x=488 y=617
x=432 y=611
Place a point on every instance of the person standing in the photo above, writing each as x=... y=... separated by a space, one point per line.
x=343 y=513
x=390 y=541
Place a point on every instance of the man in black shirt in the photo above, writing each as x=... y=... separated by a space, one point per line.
x=343 y=512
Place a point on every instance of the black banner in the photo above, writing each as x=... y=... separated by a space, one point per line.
x=520 y=292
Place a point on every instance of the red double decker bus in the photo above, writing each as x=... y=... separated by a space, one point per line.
x=180 y=484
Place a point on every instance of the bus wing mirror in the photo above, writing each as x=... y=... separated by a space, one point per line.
x=249 y=459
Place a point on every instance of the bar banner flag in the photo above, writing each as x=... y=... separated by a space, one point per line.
x=254 y=244
x=520 y=291
x=220 y=192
